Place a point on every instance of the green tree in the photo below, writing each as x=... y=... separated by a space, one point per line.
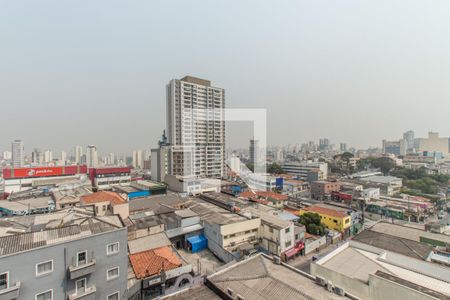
x=274 y=168
x=385 y=164
x=312 y=223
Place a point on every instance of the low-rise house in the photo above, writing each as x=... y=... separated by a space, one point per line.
x=225 y=230
x=321 y=189
x=104 y=201
x=67 y=197
x=331 y=218
x=267 y=198
x=275 y=235
x=158 y=268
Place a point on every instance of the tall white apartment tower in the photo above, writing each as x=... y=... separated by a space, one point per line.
x=78 y=153
x=196 y=127
x=91 y=156
x=17 y=156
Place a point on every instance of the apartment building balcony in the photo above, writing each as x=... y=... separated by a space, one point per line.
x=11 y=292
x=87 y=294
x=82 y=270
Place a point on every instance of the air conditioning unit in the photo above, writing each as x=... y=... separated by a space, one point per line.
x=321 y=281
x=230 y=292
x=339 y=290
x=329 y=286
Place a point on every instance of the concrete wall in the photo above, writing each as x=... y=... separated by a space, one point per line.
x=311 y=246
x=22 y=267
x=382 y=289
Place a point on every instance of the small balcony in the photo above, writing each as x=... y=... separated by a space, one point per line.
x=11 y=292
x=88 y=294
x=82 y=270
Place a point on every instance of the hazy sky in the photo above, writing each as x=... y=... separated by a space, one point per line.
x=94 y=72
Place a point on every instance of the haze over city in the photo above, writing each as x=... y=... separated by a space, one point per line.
x=95 y=72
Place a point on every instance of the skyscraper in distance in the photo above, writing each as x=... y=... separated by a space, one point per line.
x=17 y=150
x=78 y=153
x=91 y=156
x=409 y=140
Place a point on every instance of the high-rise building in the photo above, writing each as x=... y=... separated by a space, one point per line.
x=196 y=127
x=63 y=157
x=138 y=159
x=433 y=143
x=324 y=144
x=409 y=140
x=78 y=153
x=254 y=152
x=343 y=147
x=7 y=155
x=37 y=156
x=91 y=156
x=394 y=147
x=17 y=150
x=48 y=156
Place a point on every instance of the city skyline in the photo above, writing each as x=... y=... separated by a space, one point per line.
x=88 y=68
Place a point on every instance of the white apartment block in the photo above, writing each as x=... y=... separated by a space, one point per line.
x=196 y=127
x=17 y=150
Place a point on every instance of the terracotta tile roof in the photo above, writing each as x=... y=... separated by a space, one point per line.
x=103 y=196
x=273 y=196
x=309 y=236
x=262 y=194
x=325 y=211
x=247 y=194
x=153 y=262
x=291 y=210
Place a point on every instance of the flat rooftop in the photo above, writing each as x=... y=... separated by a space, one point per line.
x=259 y=277
x=26 y=204
x=214 y=214
x=268 y=216
x=408 y=232
x=153 y=202
x=360 y=261
x=381 y=179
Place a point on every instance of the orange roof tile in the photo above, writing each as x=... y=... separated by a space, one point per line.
x=247 y=194
x=273 y=195
x=154 y=261
x=103 y=196
x=325 y=211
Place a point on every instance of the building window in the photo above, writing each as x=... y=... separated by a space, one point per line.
x=270 y=229
x=288 y=230
x=335 y=221
x=4 y=284
x=80 y=286
x=114 y=296
x=44 y=268
x=47 y=295
x=288 y=244
x=112 y=273
x=81 y=258
x=346 y=221
x=112 y=248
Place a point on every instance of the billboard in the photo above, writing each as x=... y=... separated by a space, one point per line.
x=42 y=172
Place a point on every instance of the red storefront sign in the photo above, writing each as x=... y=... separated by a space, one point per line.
x=43 y=172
